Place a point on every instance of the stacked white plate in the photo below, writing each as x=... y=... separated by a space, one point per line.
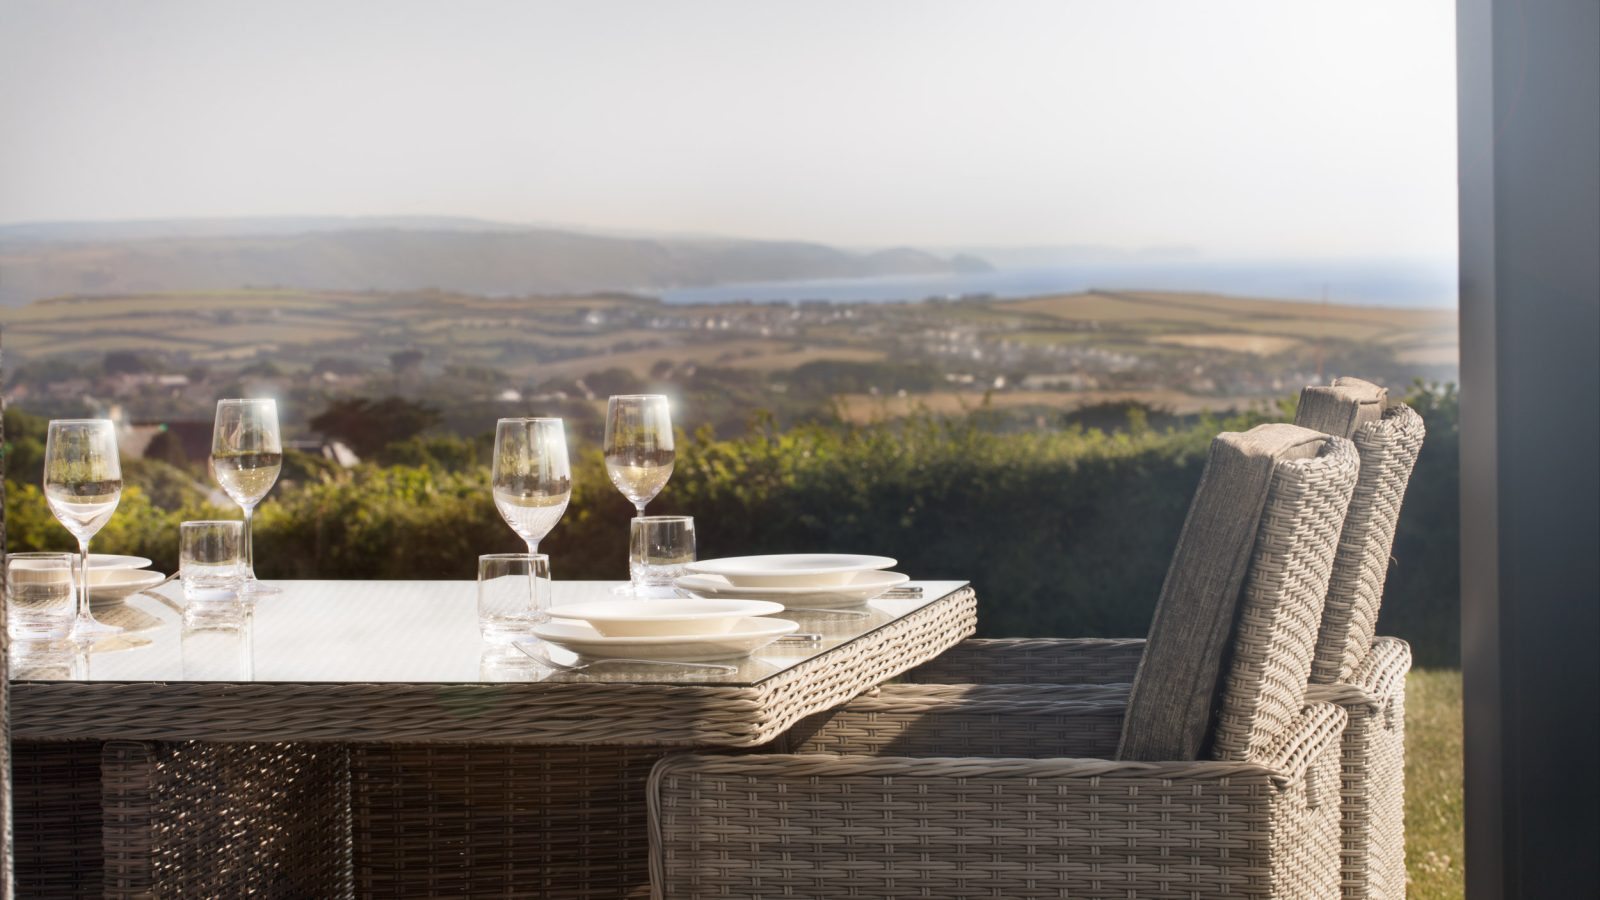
x=688 y=629
x=805 y=580
x=113 y=578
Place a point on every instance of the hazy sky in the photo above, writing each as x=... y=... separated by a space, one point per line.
x=1289 y=127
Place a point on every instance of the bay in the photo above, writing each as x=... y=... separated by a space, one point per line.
x=1380 y=282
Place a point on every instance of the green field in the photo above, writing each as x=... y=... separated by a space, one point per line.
x=1165 y=339
x=1434 y=844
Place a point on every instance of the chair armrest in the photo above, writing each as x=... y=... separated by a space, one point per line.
x=964 y=826
x=1384 y=670
x=1033 y=661
x=890 y=696
x=988 y=720
x=1376 y=682
x=1314 y=732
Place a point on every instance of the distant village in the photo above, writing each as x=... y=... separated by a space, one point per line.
x=162 y=371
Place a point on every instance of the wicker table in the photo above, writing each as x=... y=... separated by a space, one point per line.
x=358 y=738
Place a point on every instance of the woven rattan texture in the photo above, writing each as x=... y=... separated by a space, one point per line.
x=58 y=822
x=824 y=825
x=1388 y=449
x=1033 y=661
x=656 y=715
x=549 y=822
x=1281 y=609
x=1034 y=721
x=1372 y=750
x=192 y=820
x=1373 y=779
x=443 y=820
x=131 y=819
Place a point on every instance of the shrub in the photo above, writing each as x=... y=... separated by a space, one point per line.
x=1064 y=533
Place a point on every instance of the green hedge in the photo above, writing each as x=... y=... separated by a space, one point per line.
x=1063 y=533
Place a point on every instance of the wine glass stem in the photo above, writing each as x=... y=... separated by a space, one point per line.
x=83 y=580
x=640 y=507
x=533 y=547
x=249 y=543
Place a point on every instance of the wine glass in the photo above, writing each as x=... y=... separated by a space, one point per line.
x=246 y=456
x=639 y=446
x=83 y=484
x=532 y=478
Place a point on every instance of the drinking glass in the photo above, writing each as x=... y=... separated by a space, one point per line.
x=639 y=446
x=83 y=484
x=39 y=596
x=532 y=478
x=209 y=560
x=513 y=595
x=246 y=456
x=659 y=549
x=216 y=643
x=504 y=662
x=49 y=660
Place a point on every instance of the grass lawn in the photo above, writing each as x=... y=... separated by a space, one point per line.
x=1434 y=849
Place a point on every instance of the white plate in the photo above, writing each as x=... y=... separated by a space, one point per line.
x=119 y=583
x=109 y=562
x=862 y=588
x=643 y=618
x=790 y=569
x=747 y=636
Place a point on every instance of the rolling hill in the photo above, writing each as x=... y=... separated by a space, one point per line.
x=98 y=259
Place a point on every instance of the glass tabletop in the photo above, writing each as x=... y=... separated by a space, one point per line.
x=405 y=632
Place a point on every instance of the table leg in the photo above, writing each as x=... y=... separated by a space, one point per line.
x=501 y=821
x=56 y=810
x=184 y=819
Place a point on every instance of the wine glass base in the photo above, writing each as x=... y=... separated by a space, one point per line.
x=115 y=642
x=252 y=589
x=86 y=629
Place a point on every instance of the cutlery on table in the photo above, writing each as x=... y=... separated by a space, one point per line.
x=847 y=613
x=163 y=599
x=167 y=580
x=540 y=657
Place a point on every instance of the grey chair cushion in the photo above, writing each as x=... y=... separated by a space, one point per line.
x=1176 y=689
x=1341 y=408
x=1276 y=634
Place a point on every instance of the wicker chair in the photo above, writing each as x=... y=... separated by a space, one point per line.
x=1372 y=789
x=1005 y=792
x=1344 y=670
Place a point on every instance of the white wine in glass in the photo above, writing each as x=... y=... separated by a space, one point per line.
x=532 y=476
x=83 y=485
x=639 y=446
x=246 y=457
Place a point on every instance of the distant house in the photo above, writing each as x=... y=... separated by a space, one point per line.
x=125 y=383
x=1066 y=381
x=135 y=439
x=335 y=451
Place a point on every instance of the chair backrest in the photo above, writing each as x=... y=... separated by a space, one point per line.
x=1229 y=650
x=1388 y=446
x=1341 y=408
